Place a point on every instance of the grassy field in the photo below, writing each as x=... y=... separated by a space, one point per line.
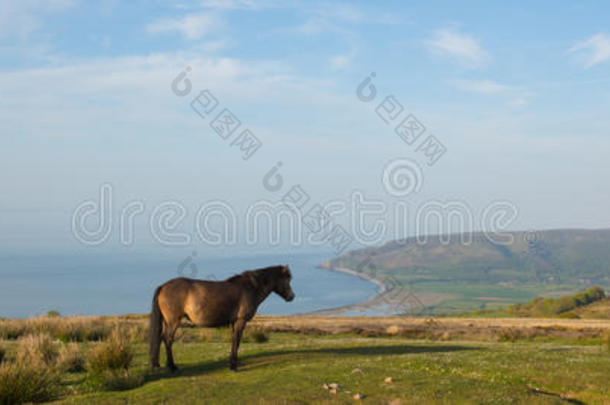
x=428 y=361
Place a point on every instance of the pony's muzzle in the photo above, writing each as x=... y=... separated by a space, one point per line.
x=289 y=297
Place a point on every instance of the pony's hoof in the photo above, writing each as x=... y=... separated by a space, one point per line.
x=173 y=368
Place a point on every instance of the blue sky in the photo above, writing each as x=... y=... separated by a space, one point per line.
x=517 y=92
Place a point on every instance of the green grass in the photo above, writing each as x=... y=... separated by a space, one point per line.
x=466 y=297
x=291 y=368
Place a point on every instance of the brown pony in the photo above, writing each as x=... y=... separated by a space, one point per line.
x=212 y=304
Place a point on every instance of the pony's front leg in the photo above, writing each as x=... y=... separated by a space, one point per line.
x=238 y=328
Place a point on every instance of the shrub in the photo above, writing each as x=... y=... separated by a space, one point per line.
x=393 y=330
x=257 y=336
x=70 y=333
x=98 y=330
x=509 y=334
x=11 y=329
x=79 y=330
x=37 y=350
x=21 y=383
x=2 y=354
x=53 y=313
x=70 y=358
x=568 y=315
x=109 y=363
x=556 y=306
x=137 y=333
x=40 y=324
x=112 y=354
x=69 y=329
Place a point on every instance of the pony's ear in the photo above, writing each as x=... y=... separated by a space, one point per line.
x=285 y=269
x=253 y=280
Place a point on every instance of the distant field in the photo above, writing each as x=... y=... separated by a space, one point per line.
x=451 y=276
x=428 y=360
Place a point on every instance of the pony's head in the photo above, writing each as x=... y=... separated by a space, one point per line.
x=282 y=284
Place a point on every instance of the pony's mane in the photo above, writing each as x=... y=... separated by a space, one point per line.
x=255 y=272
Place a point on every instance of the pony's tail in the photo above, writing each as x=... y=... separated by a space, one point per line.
x=156 y=318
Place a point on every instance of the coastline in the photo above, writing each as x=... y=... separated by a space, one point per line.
x=383 y=288
x=387 y=301
x=358 y=306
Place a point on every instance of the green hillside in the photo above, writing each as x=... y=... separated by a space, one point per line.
x=487 y=275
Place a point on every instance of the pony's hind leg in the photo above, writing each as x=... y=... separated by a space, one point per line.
x=238 y=328
x=169 y=332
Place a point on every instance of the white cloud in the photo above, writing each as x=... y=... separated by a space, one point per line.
x=192 y=26
x=137 y=89
x=517 y=96
x=462 y=47
x=340 y=62
x=336 y=17
x=593 y=50
x=517 y=102
x=234 y=4
x=21 y=18
x=339 y=12
x=481 y=86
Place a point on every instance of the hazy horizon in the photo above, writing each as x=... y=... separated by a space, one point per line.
x=516 y=98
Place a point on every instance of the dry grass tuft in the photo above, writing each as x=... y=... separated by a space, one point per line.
x=71 y=359
x=37 y=350
x=392 y=330
x=72 y=329
x=113 y=354
x=256 y=336
x=109 y=363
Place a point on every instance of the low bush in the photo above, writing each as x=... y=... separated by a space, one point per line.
x=71 y=359
x=545 y=307
x=22 y=382
x=256 y=336
x=78 y=330
x=510 y=334
x=115 y=353
x=568 y=315
x=11 y=329
x=72 y=329
x=37 y=350
x=109 y=363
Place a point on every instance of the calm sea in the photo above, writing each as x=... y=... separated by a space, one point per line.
x=111 y=284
